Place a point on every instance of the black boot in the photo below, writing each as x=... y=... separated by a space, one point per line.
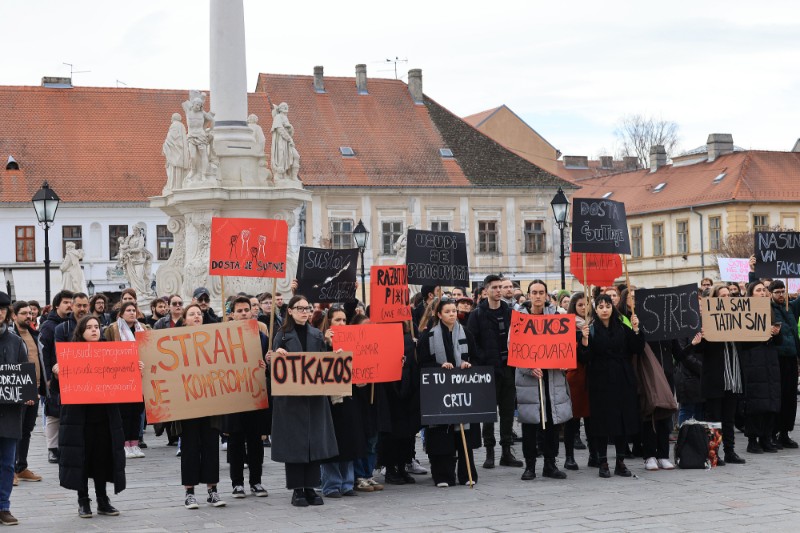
x=593 y=462
x=570 y=464
x=84 y=507
x=403 y=473
x=604 y=471
x=753 y=446
x=551 y=470
x=787 y=442
x=508 y=459
x=530 y=470
x=312 y=497
x=620 y=469
x=52 y=455
x=299 y=498
x=732 y=458
x=104 y=507
x=393 y=477
x=579 y=445
x=489 y=462
x=767 y=445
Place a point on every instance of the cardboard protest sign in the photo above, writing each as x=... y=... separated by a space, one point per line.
x=599 y=226
x=377 y=351
x=312 y=374
x=325 y=275
x=99 y=372
x=248 y=247
x=457 y=396
x=601 y=269
x=733 y=269
x=437 y=258
x=18 y=383
x=670 y=313
x=777 y=254
x=793 y=287
x=388 y=294
x=736 y=319
x=205 y=370
x=542 y=341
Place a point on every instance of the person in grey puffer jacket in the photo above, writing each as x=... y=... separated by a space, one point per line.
x=558 y=405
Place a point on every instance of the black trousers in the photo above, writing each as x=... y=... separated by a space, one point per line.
x=572 y=430
x=245 y=447
x=29 y=413
x=131 y=419
x=395 y=451
x=99 y=488
x=506 y=402
x=548 y=440
x=723 y=410
x=655 y=438
x=601 y=445
x=785 y=422
x=302 y=475
x=445 y=467
x=199 y=452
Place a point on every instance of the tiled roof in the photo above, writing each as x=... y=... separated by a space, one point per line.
x=592 y=170
x=750 y=176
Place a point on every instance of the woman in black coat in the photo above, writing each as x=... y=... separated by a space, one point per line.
x=91 y=442
x=443 y=443
x=762 y=383
x=607 y=348
x=302 y=427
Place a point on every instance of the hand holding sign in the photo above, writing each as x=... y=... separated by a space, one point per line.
x=542 y=341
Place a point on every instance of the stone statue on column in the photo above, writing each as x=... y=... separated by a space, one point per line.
x=71 y=273
x=137 y=262
x=264 y=175
x=285 y=158
x=176 y=152
x=202 y=170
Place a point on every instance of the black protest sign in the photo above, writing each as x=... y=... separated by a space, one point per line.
x=777 y=254
x=437 y=258
x=670 y=313
x=457 y=396
x=599 y=226
x=18 y=383
x=325 y=275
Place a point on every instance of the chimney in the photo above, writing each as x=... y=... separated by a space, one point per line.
x=658 y=157
x=415 y=84
x=630 y=162
x=576 y=161
x=719 y=144
x=319 y=81
x=606 y=162
x=361 y=79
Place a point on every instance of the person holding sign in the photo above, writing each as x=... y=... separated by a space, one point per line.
x=557 y=404
x=302 y=427
x=448 y=345
x=579 y=395
x=607 y=347
x=91 y=441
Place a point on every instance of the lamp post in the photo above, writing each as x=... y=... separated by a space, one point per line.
x=45 y=203
x=90 y=288
x=560 y=206
x=360 y=235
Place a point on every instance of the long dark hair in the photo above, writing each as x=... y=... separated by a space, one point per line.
x=288 y=322
x=573 y=303
x=622 y=307
x=124 y=306
x=80 y=329
x=326 y=324
x=615 y=316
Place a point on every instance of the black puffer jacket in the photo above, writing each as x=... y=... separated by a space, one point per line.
x=489 y=328
x=688 y=372
x=761 y=375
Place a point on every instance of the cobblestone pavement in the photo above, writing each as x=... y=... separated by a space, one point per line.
x=763 y=494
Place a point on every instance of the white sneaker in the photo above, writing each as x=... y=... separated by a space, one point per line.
x=442 y=485
x=651 y=464
x=137 y=452
x=224 y=446
x=665 y=464
x=415 y=468
x=129 y=453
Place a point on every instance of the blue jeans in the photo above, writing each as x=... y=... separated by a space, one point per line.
x=337 y=477
x=8 y=452
x=690 y=410
x=366 y=464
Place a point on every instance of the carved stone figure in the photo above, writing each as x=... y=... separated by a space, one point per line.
x=285 y=158
x=137 y=261
x=399 y=248
x=176 y=152
x=200 y=123
x=71 y=273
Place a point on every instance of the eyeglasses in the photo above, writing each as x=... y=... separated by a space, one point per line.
x=303 y=309
x=204 y=299
x=176 y=304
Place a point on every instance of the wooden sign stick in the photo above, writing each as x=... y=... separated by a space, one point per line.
x=222 y=296
x=628 y=282
x=272 y=315
x=541 y=402
x=586 y=291
x=466 y=457
x=372 y=393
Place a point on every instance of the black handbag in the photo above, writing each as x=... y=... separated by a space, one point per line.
x=691 y=449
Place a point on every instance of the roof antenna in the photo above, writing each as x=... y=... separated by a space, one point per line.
x=121 y=83
x=396 y=60
x=71 y=71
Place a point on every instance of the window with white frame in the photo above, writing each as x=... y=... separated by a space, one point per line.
x=390 y=232
x=535 y=238
x=440 y=225
x=342 y=234
x=487 y=237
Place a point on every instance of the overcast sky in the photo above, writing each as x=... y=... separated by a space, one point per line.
x=569 y=69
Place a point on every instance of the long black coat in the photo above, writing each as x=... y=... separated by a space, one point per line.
x=72 y=453
x=398 y=401
x=610 y=377
x=761 y=375
x=12 y=351
x=713 y=378
x=688 y=373
x=302 y=427
x=348 y=427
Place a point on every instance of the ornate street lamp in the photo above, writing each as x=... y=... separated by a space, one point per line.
x=560 y=206
x=361 y=235
x=45 y=203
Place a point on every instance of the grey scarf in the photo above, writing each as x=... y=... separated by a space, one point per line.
x=436 y=343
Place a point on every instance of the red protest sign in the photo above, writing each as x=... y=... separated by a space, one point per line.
x=248 y=247
x=377 y=351
x=542 y=341
x=601 y=269
x=99 y=372
x=388 y=294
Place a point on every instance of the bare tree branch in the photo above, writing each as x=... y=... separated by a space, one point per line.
x=637 y=133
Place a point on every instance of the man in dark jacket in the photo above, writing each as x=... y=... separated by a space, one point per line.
x=428 y=293
x=62 y=307
x=489 y=325
x=202 y=297
x=12 y=351
x=787 y=358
